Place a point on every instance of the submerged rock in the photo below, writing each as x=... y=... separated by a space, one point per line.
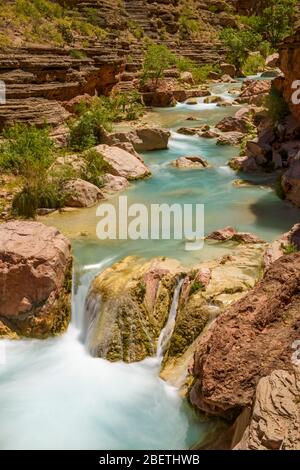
x=35 y=280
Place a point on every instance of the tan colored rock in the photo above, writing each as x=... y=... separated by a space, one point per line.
x=276 y=249
x=80 y=193
x=250 y=340
x=275 y=420
x=232 y=124
x=35 y=263
x=291 y=182
x=122 y=163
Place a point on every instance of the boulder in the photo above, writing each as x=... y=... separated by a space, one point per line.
x=227 y=79
x=127 y=306
x=254 y=91
x=250 y=340
x=291 y=182
x=80 y=193
x=122 y=163
x=228 y=69
x=230 y=138
x=194 y=162
x=35 y=280
x=224 y=234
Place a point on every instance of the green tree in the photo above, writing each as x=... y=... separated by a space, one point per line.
x=158 y=59
x=277 y=20
x=239 y=44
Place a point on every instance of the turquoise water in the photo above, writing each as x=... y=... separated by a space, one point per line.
x=53 y=394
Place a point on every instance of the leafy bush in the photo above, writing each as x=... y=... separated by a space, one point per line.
x=200 y=73
x=289 y=248
x=239 y=44
x=253 y=64
x=76 y=54
x=195 y=287
x=276 y=106
x=279 y=189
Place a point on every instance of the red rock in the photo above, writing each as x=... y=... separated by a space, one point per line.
x=35 y=262
x=252 y=338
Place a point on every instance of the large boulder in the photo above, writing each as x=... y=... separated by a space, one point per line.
x=291 y=182
x=122 y=163
x=127 y=306
x=254 y=91
x=80 y=193
x=250 y=340
x=275 y=420
x=35 y=279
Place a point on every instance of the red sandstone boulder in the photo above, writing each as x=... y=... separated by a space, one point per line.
x=35 y=263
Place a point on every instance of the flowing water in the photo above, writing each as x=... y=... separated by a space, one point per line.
x=52 y=393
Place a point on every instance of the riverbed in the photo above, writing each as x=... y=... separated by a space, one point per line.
x=53 y=394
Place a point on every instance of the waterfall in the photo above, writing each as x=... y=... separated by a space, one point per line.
x=167 y=331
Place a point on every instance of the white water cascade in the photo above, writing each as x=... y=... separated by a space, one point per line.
x=167 y=331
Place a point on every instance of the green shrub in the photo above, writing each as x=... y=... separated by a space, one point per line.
x=279 y=189
x=253 y=64
x=33 y=196
x=276 y=106
x=157 y=60
x=76 y=54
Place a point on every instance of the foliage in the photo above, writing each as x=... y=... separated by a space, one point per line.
x=276 y=21
x=239 y=44
x=76 y=54
x=276 y=106
x=279 y=189
x=135 y=29
x=47 y=21
x=95 y=167
x=158 y=59
x=253 y=64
